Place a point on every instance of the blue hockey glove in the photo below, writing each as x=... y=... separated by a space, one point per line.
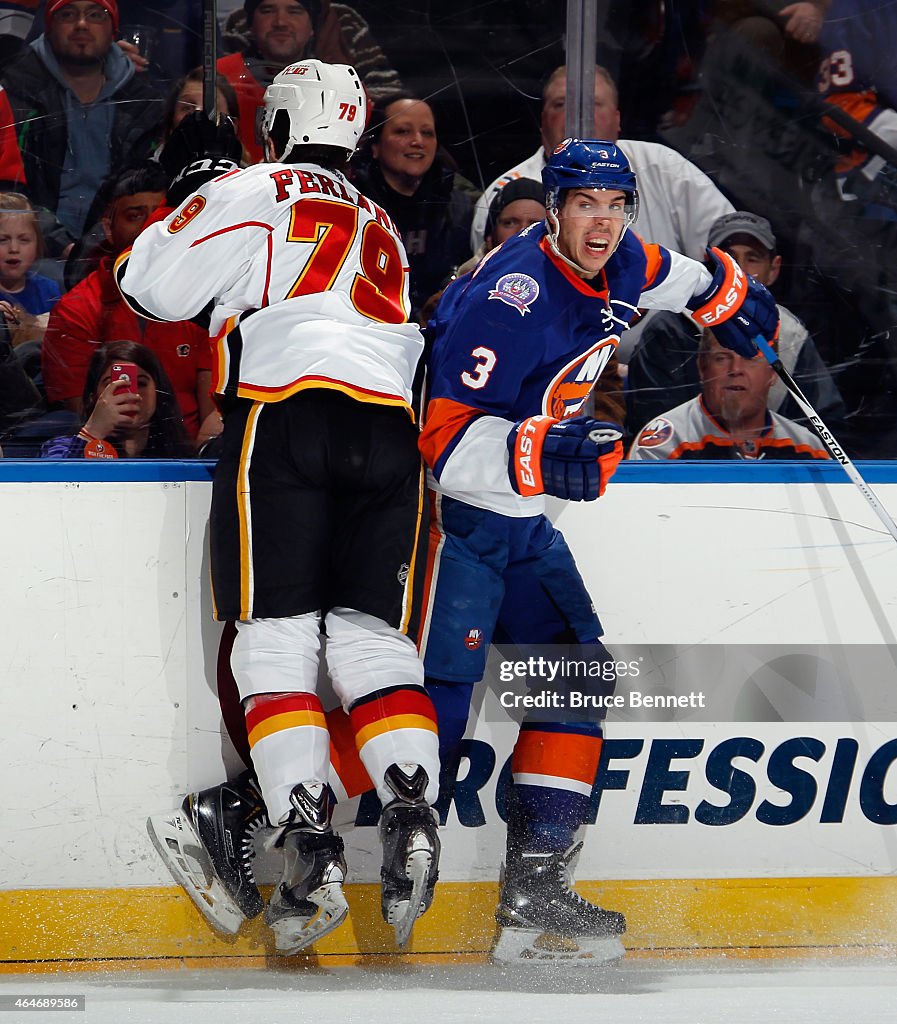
x=572 y=459
x=197 y=151
x=736 y=307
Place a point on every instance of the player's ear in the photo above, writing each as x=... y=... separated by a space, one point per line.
x=775 y=268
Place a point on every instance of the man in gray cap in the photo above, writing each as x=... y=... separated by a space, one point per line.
x=663 y=368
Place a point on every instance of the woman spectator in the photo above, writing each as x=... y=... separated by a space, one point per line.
x=403 y=168
x=118 y=423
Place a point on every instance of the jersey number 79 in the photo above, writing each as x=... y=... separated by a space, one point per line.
x=378 y=288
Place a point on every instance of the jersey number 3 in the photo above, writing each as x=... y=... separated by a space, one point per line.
x=485 y=364
x=378 y=289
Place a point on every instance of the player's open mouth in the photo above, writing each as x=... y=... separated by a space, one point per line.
x=597 y=245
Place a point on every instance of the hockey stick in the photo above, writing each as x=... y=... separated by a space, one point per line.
x=825 y=435
x=210 y=59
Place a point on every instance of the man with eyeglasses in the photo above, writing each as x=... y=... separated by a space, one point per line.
x=81 y=112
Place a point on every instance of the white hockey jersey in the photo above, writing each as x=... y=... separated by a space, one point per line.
x=690 y=432
x=304 y=280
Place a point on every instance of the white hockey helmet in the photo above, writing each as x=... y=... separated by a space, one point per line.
x=325 y=105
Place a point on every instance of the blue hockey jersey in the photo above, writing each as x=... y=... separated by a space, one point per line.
x=523 y=335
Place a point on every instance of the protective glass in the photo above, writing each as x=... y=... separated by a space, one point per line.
x=600 y=203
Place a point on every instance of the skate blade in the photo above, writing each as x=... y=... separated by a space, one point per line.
x=292 y=934
x=403 y=913
x=531 y=946
x=178 y=845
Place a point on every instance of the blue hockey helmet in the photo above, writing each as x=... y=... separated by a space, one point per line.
x=590 y=163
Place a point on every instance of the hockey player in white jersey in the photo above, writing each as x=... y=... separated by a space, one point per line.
x=316 y=501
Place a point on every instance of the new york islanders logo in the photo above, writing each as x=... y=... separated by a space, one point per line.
x=517 y=290
x=655 y=433
x=567 y=393
x=474 y=639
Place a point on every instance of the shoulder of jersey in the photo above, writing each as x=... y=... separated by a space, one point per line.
x=513 y=276
x=243 y=181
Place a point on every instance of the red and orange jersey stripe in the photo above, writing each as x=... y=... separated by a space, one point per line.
x=560 y=755
x=274 y=713
x=775 y=445
x=344 y=754
x=403 y=708
x=278 y=392
x=655 y=264
x=445 y=419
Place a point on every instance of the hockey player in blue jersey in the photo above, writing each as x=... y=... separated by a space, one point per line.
x=517 y=347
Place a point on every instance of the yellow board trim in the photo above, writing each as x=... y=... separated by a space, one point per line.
x=71 y=926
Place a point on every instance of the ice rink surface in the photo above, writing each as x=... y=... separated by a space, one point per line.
x=849 y=989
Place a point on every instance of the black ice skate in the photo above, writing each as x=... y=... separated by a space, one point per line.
x=541 y=919
x=308 y=901
x=408 y=832
x=208 y=847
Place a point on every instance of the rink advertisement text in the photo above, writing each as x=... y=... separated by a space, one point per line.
x=697 y=780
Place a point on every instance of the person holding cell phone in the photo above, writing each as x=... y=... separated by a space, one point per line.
x=130 y=410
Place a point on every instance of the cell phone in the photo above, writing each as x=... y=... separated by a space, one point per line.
x=127 y=373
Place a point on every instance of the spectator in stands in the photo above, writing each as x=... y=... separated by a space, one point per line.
x=403 y=170
x=20 y=400
x=730 y=419
x=12 y=171
x=678 y=201
x=26 y=297
x=186 y=97
x=81 y=111
x=116 y=422
x=93 y=312
x=663 y=367
x=281 y=32
x=858 y=75
x=786 y=32
x=513 y=208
